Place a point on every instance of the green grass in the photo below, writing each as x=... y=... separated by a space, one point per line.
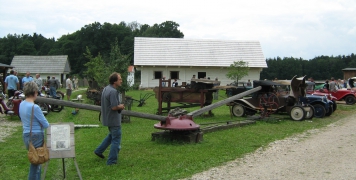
x=141 y=158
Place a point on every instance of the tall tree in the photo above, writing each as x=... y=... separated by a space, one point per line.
x=99 y=69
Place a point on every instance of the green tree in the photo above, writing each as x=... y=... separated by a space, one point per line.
x=99 y=69
x=237 y=70
x=96 y=69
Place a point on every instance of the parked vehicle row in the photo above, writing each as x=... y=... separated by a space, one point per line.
x=284 y=96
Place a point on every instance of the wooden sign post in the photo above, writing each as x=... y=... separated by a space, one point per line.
x=61 y=144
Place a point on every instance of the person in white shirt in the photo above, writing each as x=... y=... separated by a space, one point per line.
x=69 y=87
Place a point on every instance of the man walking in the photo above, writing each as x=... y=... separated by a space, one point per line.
x=111 y=117
x=69 y=87
x=11 y=84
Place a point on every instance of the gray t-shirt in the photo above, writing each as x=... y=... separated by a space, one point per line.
x=109 y=99
x=39 y=82
x=332 y=86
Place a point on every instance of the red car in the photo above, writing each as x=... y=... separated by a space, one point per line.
x=348 y=95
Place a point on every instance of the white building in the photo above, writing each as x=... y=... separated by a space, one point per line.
x=176 y=58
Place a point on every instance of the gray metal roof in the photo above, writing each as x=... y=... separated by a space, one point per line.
x=5 y=65
x=42 y=64
x=188 y=52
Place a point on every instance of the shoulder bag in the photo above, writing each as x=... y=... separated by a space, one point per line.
x=38 y=155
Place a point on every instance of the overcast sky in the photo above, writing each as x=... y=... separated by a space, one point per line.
x=285 y=28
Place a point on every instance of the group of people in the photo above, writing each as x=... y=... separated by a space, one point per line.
x=334 y=85
x=14 y=83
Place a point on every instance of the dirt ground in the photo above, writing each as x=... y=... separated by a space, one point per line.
x=327 y=153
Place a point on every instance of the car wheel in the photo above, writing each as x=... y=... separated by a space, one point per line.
x=309 y=114
x=330 y=111
x=297 y=113
x=350 y=100
x=334 y=105
x=319 y=111
x=238 y=110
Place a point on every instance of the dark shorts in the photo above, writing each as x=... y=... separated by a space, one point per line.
x=69 y=92
x=11 y=92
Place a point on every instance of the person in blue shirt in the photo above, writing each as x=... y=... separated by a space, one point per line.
x=39 y=124
x=11 y=84
x=27 y=78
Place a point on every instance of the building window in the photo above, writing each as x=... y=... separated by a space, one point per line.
x=158 y=75
x=201 y=75
x=174 y=75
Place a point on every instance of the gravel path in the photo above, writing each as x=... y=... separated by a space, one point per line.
x=327 y=153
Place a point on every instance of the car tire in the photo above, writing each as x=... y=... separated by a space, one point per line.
x=350 y=100
x=238 y=110
x=334 y=105
x=297 y=113
x=319 y=111
x=310 y=114
x=331 y=110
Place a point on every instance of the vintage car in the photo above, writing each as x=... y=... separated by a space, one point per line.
x=346 y=94
x=311 y=90
x=322 y=105
x=293 y=100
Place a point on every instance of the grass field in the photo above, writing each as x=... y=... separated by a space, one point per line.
x=141 y=158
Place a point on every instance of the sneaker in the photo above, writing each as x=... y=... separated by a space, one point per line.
x=99 y=155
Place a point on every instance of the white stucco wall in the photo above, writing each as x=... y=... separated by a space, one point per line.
x=131 y=78
x=186 y=73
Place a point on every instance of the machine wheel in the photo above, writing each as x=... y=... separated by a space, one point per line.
x=350 y=100
x=319 y=111
x=330 y=111
x=57 y=108
x=238 y=110
x=310 y=114
x=334 y=105
x=44 y=108
x=297 y=113
x=60 y=94
x=166 y=97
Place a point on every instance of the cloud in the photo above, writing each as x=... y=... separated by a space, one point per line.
x=300 y=28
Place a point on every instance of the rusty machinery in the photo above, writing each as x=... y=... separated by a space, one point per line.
x=175 y=127
x=198 y=93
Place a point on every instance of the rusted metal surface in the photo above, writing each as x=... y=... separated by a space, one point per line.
x=198 y=93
